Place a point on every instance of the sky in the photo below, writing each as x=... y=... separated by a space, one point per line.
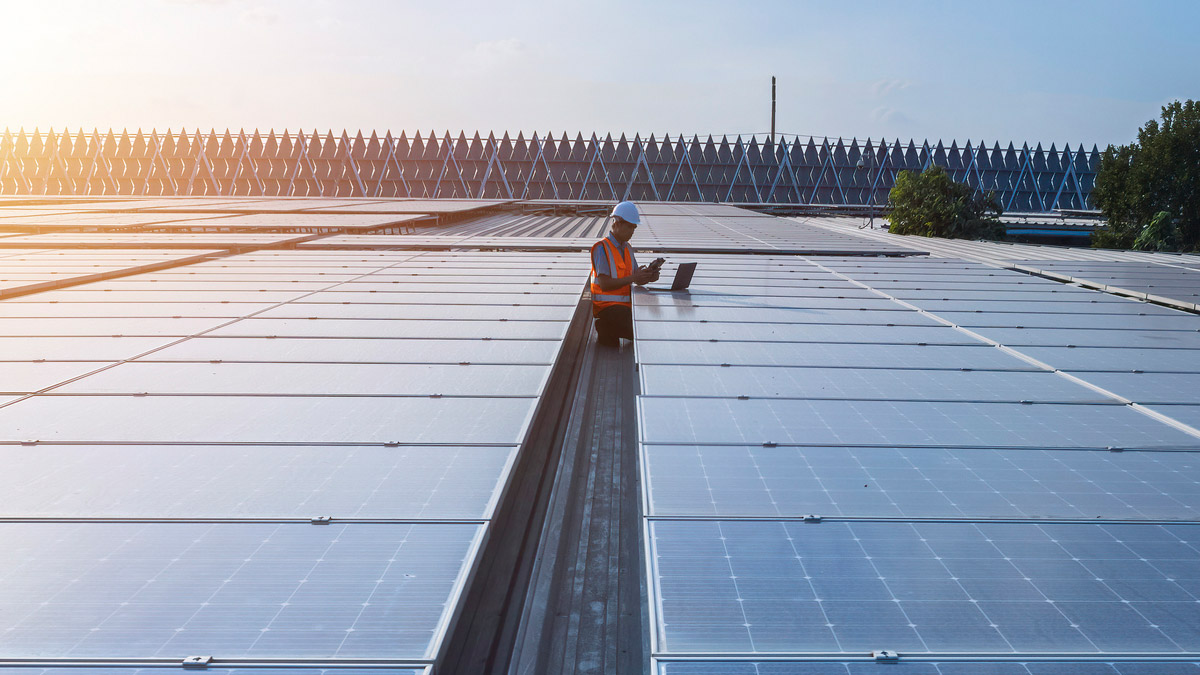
x=1049 y=71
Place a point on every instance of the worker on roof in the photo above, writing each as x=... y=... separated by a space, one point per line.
x=614 y=269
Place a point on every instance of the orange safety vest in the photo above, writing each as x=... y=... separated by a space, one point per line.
x=621 y=265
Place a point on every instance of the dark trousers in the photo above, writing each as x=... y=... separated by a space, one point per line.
x=615 y=322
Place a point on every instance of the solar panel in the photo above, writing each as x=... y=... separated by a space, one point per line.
x=441 y=312
x=1188 y=414
x=446 y=297
x=104 y=348
x=1150 y=387
x=25 y=377
x=1100 y=305
x=97 y=326
x=974 y=667
x=373 y=425
x=1082 y=337
x=736 y=586
x=786 y=315
x=222 y=670
x=1118 y=358
x=266 y=419
x=788 y=421
x=445 y=482
x=236 y=589
x=783 y=332
x=494 y=329
x=1149 y=322
x=843 y=355
x=862 y=384
x=718 y=480
x=315 y=379
x=131 y=309
x=352 y=350
x=746 y=460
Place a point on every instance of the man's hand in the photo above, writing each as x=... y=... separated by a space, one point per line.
x=644 y=275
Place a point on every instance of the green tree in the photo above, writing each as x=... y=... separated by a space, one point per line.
x=1157 y=174
x=931 y=204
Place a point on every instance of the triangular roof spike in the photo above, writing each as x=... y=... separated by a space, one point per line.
x=80 y=144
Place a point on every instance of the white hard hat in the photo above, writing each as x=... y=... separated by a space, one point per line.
x=628 y=212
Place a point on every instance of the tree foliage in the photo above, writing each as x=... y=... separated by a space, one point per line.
x=1149 y=190
x=931 y=204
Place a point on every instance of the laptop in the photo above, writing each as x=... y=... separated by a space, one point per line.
x=683 y=278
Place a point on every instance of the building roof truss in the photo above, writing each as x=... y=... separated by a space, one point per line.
x=302 y=162
x=391 y=161
x=348 y=163
x=684 y=158
x=639 y=164
x=739 y=170
x=201 y=161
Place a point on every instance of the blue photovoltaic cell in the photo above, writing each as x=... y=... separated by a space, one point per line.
x=256 y=481
x=131 y=309
x=750 y=667
x=105 y=348
x=266 y=419
x=323 y=379
x=106 y=326
x=173 y=590
x=1119 y=322
x=826 y=288
x=745 y=586
x=1061 y=293
x=836 y=300
x=391 y=328
x=1116 y=359
x=892 y=423
x=921 y=482
x=351 y=350
x=1084 y=337
x=779 y=332
x=1149 y=387
x=846 y=355
x=446 y=297
x=478 y=312
x=785 y=315
x=23 y=377
x=1188 y=414
x=215 y=670
x=864 y=384
x=1116 y=306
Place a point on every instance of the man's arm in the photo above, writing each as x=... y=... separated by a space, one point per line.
x=640 y=277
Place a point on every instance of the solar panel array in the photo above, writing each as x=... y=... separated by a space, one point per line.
x=667 y=227
x=1177 y=280
x=25 y=268
x=918 y=456
x=276 y=455
x=1167 y=278
x=263 y=446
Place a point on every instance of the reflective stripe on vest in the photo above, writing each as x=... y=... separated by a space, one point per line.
x=620 y=264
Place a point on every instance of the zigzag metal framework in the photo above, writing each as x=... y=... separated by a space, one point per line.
x=794 y=170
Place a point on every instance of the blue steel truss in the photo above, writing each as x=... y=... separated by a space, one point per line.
x=753 y=169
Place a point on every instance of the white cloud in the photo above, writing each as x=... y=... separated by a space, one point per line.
x=891 y=116
x=886 y=86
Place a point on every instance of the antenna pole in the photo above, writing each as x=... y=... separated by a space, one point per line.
x=772 y=109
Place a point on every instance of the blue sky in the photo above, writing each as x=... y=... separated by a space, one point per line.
x=1077 y=72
